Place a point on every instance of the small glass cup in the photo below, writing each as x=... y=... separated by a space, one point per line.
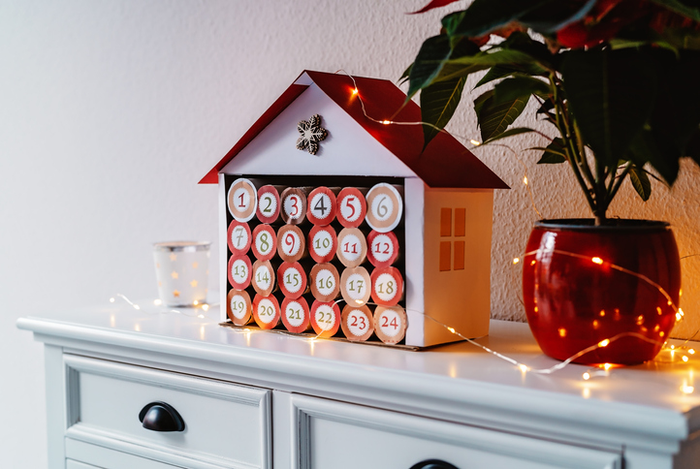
x=182 y=271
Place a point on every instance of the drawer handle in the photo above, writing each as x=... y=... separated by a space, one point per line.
x=161 y=417
x=433 y=464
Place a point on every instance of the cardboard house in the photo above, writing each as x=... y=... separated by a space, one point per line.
x=445 y=230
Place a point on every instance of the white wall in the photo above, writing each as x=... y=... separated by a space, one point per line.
x=111 y=111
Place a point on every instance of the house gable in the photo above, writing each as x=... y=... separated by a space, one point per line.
x=347 y=150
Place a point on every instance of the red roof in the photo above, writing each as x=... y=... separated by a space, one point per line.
x=444 y=163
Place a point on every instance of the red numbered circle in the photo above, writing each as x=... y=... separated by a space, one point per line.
x=242 y=200
x=357 y=323
x=321 y=206
x=266 y=311
x=238 y=238
x=291 y=243
x=352 y=247
x=355 y=286
x=390 y=323
x=264 y=244
x=382 y=249
x=295 y=315
x=351 y=207
x=384 y=207
x=239 y=272
x=268 y=204
x=325 y=318
x=292 y=279
x=325 y=282
x=387 y=286
x=238 y=307
x=293 y=209
x=263 y=278
x=323 y=243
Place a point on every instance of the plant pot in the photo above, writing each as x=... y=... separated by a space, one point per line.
x=583 y=284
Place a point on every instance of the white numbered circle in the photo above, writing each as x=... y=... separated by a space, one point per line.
x=351 y=247
x=263 y=243
x=292 y=280
x=239 y=237
x=293 y=206
x=355 y=286
x=291 y=243
x=325 y=282
x=242 y=200
x=390 y=322
x=239 y=270
x=358 y=322
x=382 y=248
x=351 y=209
x=238 y=306
x=263 y=277
x=382 y=207
x=386 y=287
x=320 y=206
x=295 y=313
x=325 y=318
x=267 y=204
x=266 y=311
x=322 y=243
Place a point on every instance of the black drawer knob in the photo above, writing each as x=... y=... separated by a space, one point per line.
x=433 y=464
x=161 y=417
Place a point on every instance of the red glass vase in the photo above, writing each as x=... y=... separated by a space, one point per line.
x=583 y=284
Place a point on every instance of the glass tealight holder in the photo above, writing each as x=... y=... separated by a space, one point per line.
x=182 y=272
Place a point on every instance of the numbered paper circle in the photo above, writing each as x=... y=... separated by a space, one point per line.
x=390 y=324
x=321 y=209
x=382 y=248
x=295 y=313
x=264 y=242
x=290 y=243
x=268 y=204
x=322 y=243
x=292 y=280
x=358 y=323
x=266 y=310
x=356 y=286
x=239 y=307
x=386 y=287
x=384 y=207
x=263 y=277
x=242 y=200
x=351 y=247
x=325 y=317
x=325 y=282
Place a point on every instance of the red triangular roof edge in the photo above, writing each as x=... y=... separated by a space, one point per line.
x=444 y=163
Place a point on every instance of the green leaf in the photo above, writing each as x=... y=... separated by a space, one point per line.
x=611 y=94
x=554 y=153
x=509 y=133
x=429 y=61
x=680 y=8
x=520 y=87
x=438 y=103
x=493 y=118
x=640 y=182
x=647 y=147
x=405 y=75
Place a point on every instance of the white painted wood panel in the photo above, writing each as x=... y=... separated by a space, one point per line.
x=84 y=455
x=226 y=425
x=337 y=435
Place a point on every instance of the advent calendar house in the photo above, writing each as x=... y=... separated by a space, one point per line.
x=445 y=231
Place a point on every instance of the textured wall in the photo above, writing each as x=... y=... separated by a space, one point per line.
x=112 y=111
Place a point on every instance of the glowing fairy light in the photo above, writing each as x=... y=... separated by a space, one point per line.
x=157 y=302
x=451 y=329
x=586 y=376
x=524 y=368
x=516 y=260
x=686 y=388
x=525 y=180
x=597 y=260
x=112 y=300
x=684 y=358
x=355 y=91
x=385 y=122
x=604 y=343
x=476 y=143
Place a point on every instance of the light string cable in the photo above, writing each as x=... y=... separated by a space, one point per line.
x=198 y=309
x=474 y=143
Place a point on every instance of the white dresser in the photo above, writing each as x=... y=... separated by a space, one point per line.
x=260 y=399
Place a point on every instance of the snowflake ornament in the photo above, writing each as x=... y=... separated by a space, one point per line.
x=311 y=134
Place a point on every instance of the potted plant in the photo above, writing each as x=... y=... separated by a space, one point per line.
x=619 y=83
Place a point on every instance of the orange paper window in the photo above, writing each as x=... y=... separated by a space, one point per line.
x=446 y=222
x=460 y=222
x=459 y=255
x=445 y=256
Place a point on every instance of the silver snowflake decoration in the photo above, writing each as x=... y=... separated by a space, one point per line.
x=311 y=134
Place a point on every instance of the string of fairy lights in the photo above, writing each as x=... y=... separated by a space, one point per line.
x=201 y=310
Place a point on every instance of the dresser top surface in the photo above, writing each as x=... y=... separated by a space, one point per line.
x=662 y=384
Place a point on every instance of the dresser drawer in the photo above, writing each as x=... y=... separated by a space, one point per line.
x=338 y=435
x=225 y=425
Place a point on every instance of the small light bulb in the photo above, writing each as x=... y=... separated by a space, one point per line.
x=112 y=300
x=604 y=343
x=451 y=329
x=523 y=368
x=195 y=302
x=516 y=260
x=386 y=122
x=525 y=180
x=597 y=260
x=687 y=389
x=607 y=366
x=586 y=376
x=354 y=91
x=476 y=143
x=684 y=358
x=691 y=351
x=137 y=307
x=157 y=302
x=205 y=307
